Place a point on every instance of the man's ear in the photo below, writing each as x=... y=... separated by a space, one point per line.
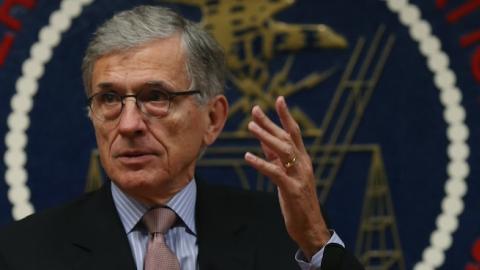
x=217 y=116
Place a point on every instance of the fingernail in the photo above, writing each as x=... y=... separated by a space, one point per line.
x=282 y=99
x=252 y=125
x=249 y=156
x=257 y=110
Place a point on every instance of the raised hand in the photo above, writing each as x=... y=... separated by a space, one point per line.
x=289 y=166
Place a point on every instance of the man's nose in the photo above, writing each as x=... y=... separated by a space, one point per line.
x=131 y=119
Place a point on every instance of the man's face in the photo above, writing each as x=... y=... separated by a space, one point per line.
x=150 y=158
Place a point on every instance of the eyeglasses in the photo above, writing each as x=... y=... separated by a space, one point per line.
x=108 y=105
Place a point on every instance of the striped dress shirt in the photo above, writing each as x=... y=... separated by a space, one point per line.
x=181 y=239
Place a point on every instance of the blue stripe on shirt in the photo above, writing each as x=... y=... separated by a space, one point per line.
x=182 y=239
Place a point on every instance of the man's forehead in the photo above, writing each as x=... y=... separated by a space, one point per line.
x=160 y=60
x=166 y=49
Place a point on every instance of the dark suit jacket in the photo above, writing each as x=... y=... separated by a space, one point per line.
x=236 y=230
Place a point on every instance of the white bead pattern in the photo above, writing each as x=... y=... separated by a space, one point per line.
x=457 y=132
x=15 y=157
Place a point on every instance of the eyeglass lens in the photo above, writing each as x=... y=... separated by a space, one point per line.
x=108 y=105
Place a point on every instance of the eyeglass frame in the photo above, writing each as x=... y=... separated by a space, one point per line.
x=170 y=96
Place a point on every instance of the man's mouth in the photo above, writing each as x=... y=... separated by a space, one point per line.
x=135 y=157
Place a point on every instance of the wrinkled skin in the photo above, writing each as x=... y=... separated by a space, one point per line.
x=151 y=159
x=296 y=184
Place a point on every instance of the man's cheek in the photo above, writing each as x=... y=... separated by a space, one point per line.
x=104 y=150
x=168 y=132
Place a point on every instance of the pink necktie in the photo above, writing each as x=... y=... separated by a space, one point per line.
x=159 y=256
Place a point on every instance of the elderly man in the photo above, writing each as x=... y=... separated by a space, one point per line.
x=155 y=83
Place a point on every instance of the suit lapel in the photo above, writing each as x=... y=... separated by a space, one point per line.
x=98 y=240
x=226 y=239
x=225 y=235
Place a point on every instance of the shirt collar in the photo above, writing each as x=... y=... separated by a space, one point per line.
x=131 y=211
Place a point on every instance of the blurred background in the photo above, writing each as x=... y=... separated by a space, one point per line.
x=387 y=94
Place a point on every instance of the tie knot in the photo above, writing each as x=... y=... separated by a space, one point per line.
x=159 y=220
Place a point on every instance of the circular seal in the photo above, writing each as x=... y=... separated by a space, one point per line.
x=444 y=78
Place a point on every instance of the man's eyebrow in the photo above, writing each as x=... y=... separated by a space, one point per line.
x=159 y=84
x=105 y=86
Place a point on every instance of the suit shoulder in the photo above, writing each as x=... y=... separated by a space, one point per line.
x=43 y=223
x=234 y=194
x=252 y=203
x=261 y=207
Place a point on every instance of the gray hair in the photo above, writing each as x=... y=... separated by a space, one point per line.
x=205 y=63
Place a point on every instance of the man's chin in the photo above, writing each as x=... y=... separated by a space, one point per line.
x=139 y=179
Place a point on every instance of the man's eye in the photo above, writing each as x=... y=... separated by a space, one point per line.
x=109 y=98
x=155 y=95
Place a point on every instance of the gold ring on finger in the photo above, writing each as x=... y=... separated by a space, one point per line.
x=291 y=162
